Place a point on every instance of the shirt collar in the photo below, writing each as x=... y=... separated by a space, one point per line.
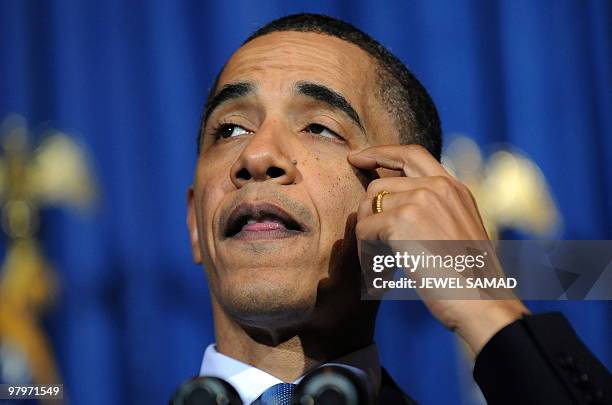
x=251 y=382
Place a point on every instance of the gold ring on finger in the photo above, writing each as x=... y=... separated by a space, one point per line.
x=377 y=207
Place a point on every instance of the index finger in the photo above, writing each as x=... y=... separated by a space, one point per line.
x=412 y=160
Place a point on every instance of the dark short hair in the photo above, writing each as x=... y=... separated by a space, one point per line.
x=399 y=91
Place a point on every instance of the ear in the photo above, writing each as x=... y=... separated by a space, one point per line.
x=192 y=225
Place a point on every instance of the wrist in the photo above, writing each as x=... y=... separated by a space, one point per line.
x=486 y=319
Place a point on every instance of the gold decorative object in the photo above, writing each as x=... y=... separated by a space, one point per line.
x=54 y=173
x=377 y=206
x=509 y=188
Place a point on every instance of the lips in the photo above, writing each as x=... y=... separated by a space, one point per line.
x=261 y=221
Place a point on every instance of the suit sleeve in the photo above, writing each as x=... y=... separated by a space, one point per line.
x=539 y=359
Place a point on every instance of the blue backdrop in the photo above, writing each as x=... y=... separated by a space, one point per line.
x=128 y=79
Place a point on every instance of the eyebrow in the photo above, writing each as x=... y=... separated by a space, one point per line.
x=227 y=93
x=315 y=91
x=330 y=97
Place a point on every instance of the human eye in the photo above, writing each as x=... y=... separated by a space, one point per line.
x=229 y=130
x=323 y=131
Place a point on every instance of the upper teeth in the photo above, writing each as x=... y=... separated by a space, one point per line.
x=263 y=219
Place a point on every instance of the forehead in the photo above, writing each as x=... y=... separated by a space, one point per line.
x=278 y=60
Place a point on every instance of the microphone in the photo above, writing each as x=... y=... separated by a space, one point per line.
x=206 y=391
x=331 y=385
x=327 y=385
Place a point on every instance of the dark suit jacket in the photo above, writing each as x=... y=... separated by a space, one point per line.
x=390 y=393
x=535 y=360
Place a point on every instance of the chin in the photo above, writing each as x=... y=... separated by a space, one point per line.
x=268 y=304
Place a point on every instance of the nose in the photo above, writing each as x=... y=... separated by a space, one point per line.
x=264 y=158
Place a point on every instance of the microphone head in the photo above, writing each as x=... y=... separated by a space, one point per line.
x=331 y=385
x=206 y=391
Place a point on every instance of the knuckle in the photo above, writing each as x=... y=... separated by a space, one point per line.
x=364 y=202
x=415 y=148
x=383 y=184
x=408 y=212
x=365 y=206
x=460 y=188
x=361 y=230
x=374 y=187
x=390 y=234
x=445 y=186
x=442 y=182
x=463 y=188
x=423 y=194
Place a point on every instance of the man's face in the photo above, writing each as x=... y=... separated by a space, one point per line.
x=271 y=204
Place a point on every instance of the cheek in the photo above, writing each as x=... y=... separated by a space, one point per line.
x=213 y=182
x=336 y=192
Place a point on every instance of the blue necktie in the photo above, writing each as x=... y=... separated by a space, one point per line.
x=279 y=394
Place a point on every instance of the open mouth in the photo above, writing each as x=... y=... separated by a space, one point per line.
x=261 y=221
